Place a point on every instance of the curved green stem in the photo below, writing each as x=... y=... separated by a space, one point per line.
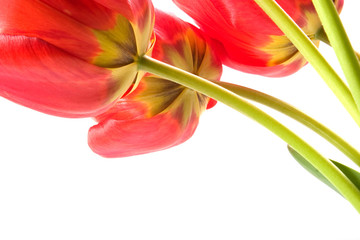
x=311 y=54
x=341 y=44
x=297 y=115
x=331 y=172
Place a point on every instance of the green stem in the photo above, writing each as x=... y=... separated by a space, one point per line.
x=297 y=115
x=322 y=36
x=311 y=54
x=341 y=44
x=331 y=172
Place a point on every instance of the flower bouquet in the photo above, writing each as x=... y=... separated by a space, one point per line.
x=146 y=76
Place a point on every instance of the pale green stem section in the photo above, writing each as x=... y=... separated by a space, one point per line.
x=341 y=44
x=322 y=36
x=297 y=115
x=311 y=54
x=331 y=172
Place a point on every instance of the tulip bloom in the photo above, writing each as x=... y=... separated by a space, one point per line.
x=247 y=39
x=159 y=114
x=72 y=58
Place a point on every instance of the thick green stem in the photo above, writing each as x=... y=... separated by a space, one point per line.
x=297 y=115
x=322 y=36
x=311 y=54
x=331 y=172
x=341 y=44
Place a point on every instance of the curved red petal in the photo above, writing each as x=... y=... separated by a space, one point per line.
x=40 y=76
x=117 y=138
x=63 y=43
x=89 y=13
x=125 y=110
x=159 y=114
x=144 y=121
x=247 y=39
x=87 y=29
x=339 y=4
x=211 y=103
x=37 y=19
x=185 y=46
x=140 y=13
x=198 y=56
x=255 y=61
x=237 y=18
x=131 y=9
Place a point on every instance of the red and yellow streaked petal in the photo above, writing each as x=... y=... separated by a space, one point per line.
x=131 y=9
x=278 y=58
x=130 y=37
x=118 y=45
x=244 y=21
x=184 y=46
x=247 y=39
x=43 y=77
x=144 y=15
x=159 y=114
x=82 y=51
x=89 y=30
x=118 y=138
x=140 y=14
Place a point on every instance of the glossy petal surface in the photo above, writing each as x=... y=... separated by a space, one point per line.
x=40 y=20
x=40 y=76
x=77 y=57
x=247 y=39
x=159 y=114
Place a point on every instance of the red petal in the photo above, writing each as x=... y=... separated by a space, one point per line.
x=237 y=18
x=198 y=45
x=211 y=103
x=255 y=61
x=141 y=15
x=125 y=110
x=339 y=4
x=245 y=34
x=131 y=9
x=89 y=13
x=37 y=19
x=183 y=45
x=144 y=121
x=40 y=76
x=159 y=114
x=117 y=138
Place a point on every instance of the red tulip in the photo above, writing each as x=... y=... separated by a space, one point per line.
x=247 y=39
x=72 y=58
x=159 y=114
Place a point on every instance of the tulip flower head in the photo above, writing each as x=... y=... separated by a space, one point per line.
x=248 y=40
x=159 y=114
x=72 y=58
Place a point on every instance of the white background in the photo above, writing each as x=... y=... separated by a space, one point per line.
x=232 y=180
